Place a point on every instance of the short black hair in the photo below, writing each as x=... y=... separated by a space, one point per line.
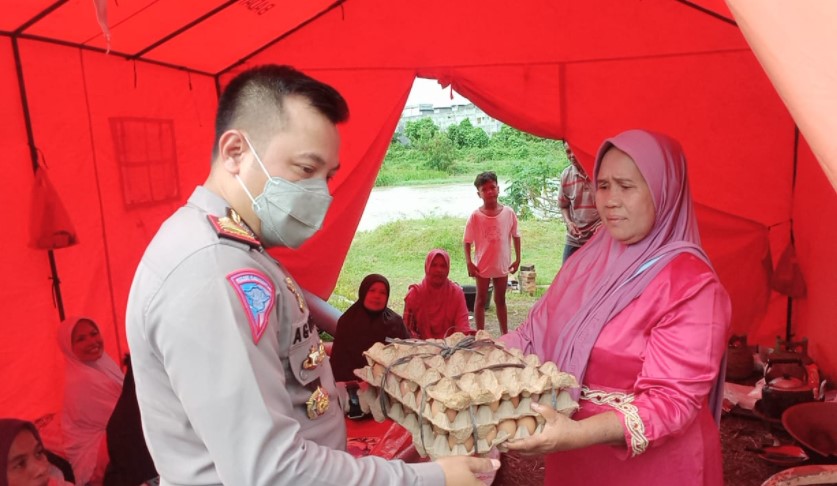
x=257 y=95
x=484 y=178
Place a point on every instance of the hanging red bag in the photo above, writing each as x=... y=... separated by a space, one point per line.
x=49 y=224
x=787 y=276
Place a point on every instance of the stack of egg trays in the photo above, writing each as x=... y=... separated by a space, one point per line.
x=462 y=395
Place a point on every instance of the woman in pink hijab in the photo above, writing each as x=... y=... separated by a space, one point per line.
x=92 y=386
x=436 y=307
x=639 y=316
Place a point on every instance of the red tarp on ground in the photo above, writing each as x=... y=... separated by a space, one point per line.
x=563 y=69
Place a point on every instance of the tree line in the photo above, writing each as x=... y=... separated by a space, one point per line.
x=531 y=165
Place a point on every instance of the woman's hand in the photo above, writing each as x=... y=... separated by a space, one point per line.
x=561 y=433
x=557 y=434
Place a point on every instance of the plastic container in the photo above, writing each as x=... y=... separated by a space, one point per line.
x=471 y=296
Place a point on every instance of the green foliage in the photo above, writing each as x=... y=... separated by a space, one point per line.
x=465 y=135
x=512 y=143
x=440 y=153
x=460 y=153
x=534 y=189
x=420 y=130
x=431 y=153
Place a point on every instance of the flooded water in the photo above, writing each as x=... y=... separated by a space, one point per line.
x=416 y=202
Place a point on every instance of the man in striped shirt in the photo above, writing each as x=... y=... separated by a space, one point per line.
x=578 y=205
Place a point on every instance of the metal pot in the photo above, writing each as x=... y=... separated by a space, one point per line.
x=788 y=382
x=740 y=361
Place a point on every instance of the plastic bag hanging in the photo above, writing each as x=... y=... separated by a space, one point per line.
x=102 y=19
x=49 y=224
x=787 y=277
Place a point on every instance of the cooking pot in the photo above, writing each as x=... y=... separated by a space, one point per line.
x=740 y=361
x=788 y=381
x=814 y=425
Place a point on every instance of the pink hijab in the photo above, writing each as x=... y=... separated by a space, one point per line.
x=605 y=275
x=439 y=311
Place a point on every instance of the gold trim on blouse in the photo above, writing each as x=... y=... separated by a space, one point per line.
x=622 y=402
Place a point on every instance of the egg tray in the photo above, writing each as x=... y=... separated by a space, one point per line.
x=462 y=395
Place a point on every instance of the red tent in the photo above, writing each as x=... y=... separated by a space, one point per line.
x=125 y=136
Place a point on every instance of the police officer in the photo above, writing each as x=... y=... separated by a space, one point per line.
x=230 y=377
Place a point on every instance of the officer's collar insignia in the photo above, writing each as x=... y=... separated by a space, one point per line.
x=300 y=300
x=257 y=295
x=316 y=355
x=317 y=403
x=231 y=226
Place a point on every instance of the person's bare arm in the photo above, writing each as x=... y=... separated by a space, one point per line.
x=516 y=264
x=472 y=269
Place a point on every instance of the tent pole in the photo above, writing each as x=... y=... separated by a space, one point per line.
x=789 y=315
x=33 y=155
x=788 y=330
x=709 y=12
x=56 y=285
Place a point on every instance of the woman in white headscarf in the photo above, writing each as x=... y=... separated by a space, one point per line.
x=92 y=387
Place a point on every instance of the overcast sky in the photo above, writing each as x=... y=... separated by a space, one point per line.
x=429 y=91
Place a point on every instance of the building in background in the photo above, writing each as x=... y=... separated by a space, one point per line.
x=445 y=116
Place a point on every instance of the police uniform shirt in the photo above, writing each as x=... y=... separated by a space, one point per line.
x=219 y=337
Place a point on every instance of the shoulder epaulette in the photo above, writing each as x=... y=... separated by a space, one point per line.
x=231 y=227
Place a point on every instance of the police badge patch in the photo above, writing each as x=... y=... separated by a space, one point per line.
x=257 y=295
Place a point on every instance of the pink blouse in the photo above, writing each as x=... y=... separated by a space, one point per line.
x=655 y=364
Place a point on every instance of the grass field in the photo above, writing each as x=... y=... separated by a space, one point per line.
x=397 y=250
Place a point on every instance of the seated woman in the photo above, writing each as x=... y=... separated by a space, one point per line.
x=92 y=386
x=23 y=459
x=639 y=316
x=366 y=322
x=436 y=307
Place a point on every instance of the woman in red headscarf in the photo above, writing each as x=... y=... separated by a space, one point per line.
x=436 y=307
x=639 y=316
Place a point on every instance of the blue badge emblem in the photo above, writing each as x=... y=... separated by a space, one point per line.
x=257 y=295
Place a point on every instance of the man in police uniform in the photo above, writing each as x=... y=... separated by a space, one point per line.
x=231 y=378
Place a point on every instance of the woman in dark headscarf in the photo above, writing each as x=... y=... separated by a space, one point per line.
x=639 y=316
x=366 y=322
x=23 y=460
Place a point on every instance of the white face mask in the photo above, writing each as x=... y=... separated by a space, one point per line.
x=290 y=212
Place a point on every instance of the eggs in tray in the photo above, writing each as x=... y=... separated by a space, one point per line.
x=463 y=394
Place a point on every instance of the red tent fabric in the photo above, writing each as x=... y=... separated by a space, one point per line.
x=125 y=136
